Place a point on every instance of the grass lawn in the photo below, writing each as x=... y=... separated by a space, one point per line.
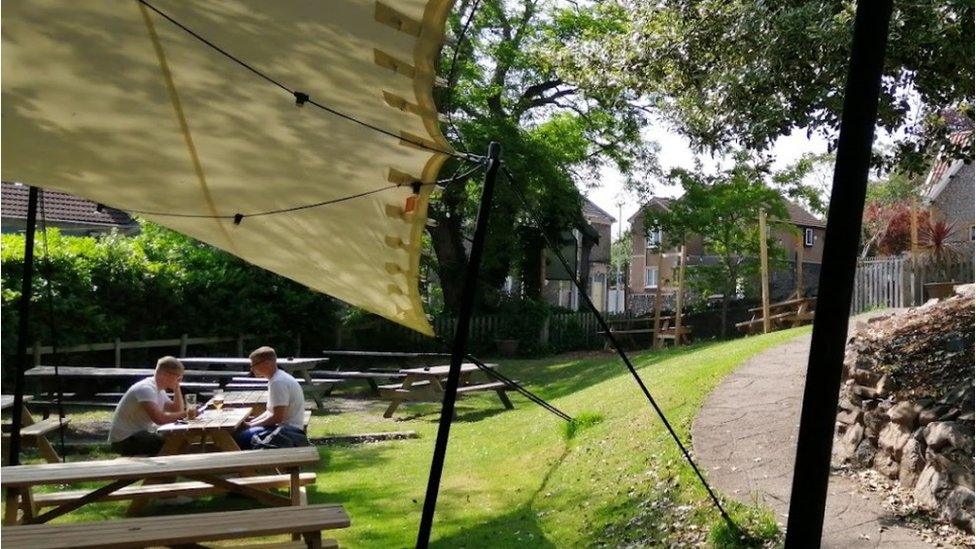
x=512 y=479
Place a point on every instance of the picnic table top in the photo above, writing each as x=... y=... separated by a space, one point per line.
x=97 y=371
x=6 y=401
x=632 y=320
x=155 y=467
x=787 y=303
x=228 y=418
x=382 y=354
x=243 y=398
x=440 y=371
x=287 y=364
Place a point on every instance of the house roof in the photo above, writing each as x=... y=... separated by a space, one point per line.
x=798 y=214
x=801 y=217
x=62 y=207
x=592 y=210
x=662 y=201
x=945 y=167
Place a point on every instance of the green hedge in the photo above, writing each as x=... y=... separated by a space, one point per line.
x=159 y=284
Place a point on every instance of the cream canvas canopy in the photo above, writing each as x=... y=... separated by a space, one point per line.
x=116 y=102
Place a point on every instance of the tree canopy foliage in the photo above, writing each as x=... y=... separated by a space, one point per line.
x=723 y=210
x=737 y=74
x=504 y=86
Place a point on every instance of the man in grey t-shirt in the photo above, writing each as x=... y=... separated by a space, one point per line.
x=146 y=405
x=286 y=402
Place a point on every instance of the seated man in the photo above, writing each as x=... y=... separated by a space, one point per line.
x=282 y=422
x=146 y=405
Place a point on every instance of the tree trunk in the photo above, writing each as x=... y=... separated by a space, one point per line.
x=725 y=314
x=451 y=260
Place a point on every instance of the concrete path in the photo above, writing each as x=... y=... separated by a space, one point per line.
x=745 y=437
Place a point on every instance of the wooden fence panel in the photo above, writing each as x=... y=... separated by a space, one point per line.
x=885 y=282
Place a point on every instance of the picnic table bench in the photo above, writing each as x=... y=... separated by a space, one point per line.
x=298 y=367
x=425 y=385
x=33 y=432
x=191 y=530
x=207 y=474
x=784 y=314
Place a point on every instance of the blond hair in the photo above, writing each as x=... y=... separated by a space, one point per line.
x=169 y=364
x=262 y=354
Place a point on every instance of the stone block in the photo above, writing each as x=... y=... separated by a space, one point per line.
x=904 y=413
x=912 y=462
x=893 y=438
x=957 y=434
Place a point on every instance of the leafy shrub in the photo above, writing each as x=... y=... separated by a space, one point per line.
x=158 y=284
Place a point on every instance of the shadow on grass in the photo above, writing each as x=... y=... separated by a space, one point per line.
x=553 y=378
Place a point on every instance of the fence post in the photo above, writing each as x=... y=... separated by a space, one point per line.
x=240 y=344
x=37 y=353
x=118 y=352
x=183 y=344
x=298 y=344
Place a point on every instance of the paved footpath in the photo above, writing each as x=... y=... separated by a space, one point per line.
x=745 y=437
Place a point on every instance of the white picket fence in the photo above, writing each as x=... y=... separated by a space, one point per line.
x=884 y=282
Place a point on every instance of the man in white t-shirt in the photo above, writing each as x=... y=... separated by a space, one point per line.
x=146 y=405
x=286 y=403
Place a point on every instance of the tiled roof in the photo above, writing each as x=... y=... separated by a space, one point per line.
x=591 y=209
x=800 y=216
x=61 y=207
x=943 y=163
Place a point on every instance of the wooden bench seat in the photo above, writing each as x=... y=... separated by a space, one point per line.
x=492 y=386
x=308 y=520
x=43 y=427
x=755 y=321
x=173 y=489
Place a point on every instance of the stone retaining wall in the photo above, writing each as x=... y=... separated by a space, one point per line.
x=926 y=444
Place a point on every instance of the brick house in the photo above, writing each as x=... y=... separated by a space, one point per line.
x=949 y=191
x=71 y=214
x=651 y=265
x=592 y=255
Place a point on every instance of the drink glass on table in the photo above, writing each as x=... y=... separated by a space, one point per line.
x=218 y=398
x=191 y=406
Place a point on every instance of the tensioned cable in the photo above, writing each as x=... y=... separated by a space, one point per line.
x=238 y=217
x=241 y=216
x=53 y=324
x=510 y=382
x=613 y=341
x=452 y=67
x=300 y=97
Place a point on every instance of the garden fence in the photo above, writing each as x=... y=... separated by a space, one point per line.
x=894 y=281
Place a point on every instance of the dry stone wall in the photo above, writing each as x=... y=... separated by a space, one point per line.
x=906 y=408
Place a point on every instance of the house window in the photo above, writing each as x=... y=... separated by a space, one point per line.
x=650 y=277
x=653 y=238
x=808 y=238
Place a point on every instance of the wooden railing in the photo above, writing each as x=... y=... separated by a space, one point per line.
x=118 y=345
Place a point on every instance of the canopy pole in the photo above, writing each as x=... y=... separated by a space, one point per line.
x=811 y=473
x=458 y=350
x=26 y=287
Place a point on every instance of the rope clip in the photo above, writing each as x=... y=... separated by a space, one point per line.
x=301 y=98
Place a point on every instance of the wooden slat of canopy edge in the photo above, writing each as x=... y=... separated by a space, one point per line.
x=165 y=466
x=174 y=530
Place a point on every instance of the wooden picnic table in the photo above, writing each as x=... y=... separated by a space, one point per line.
x=216 y=425
x=97 y=373
x=625 y=327
x=784 y=314
x=32 y=431
x=20 y=481
x=297 y=366
x=425 y=385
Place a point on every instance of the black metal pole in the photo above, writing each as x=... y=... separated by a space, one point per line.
x=458 y=349
x=811 y=472
x=22 y=326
